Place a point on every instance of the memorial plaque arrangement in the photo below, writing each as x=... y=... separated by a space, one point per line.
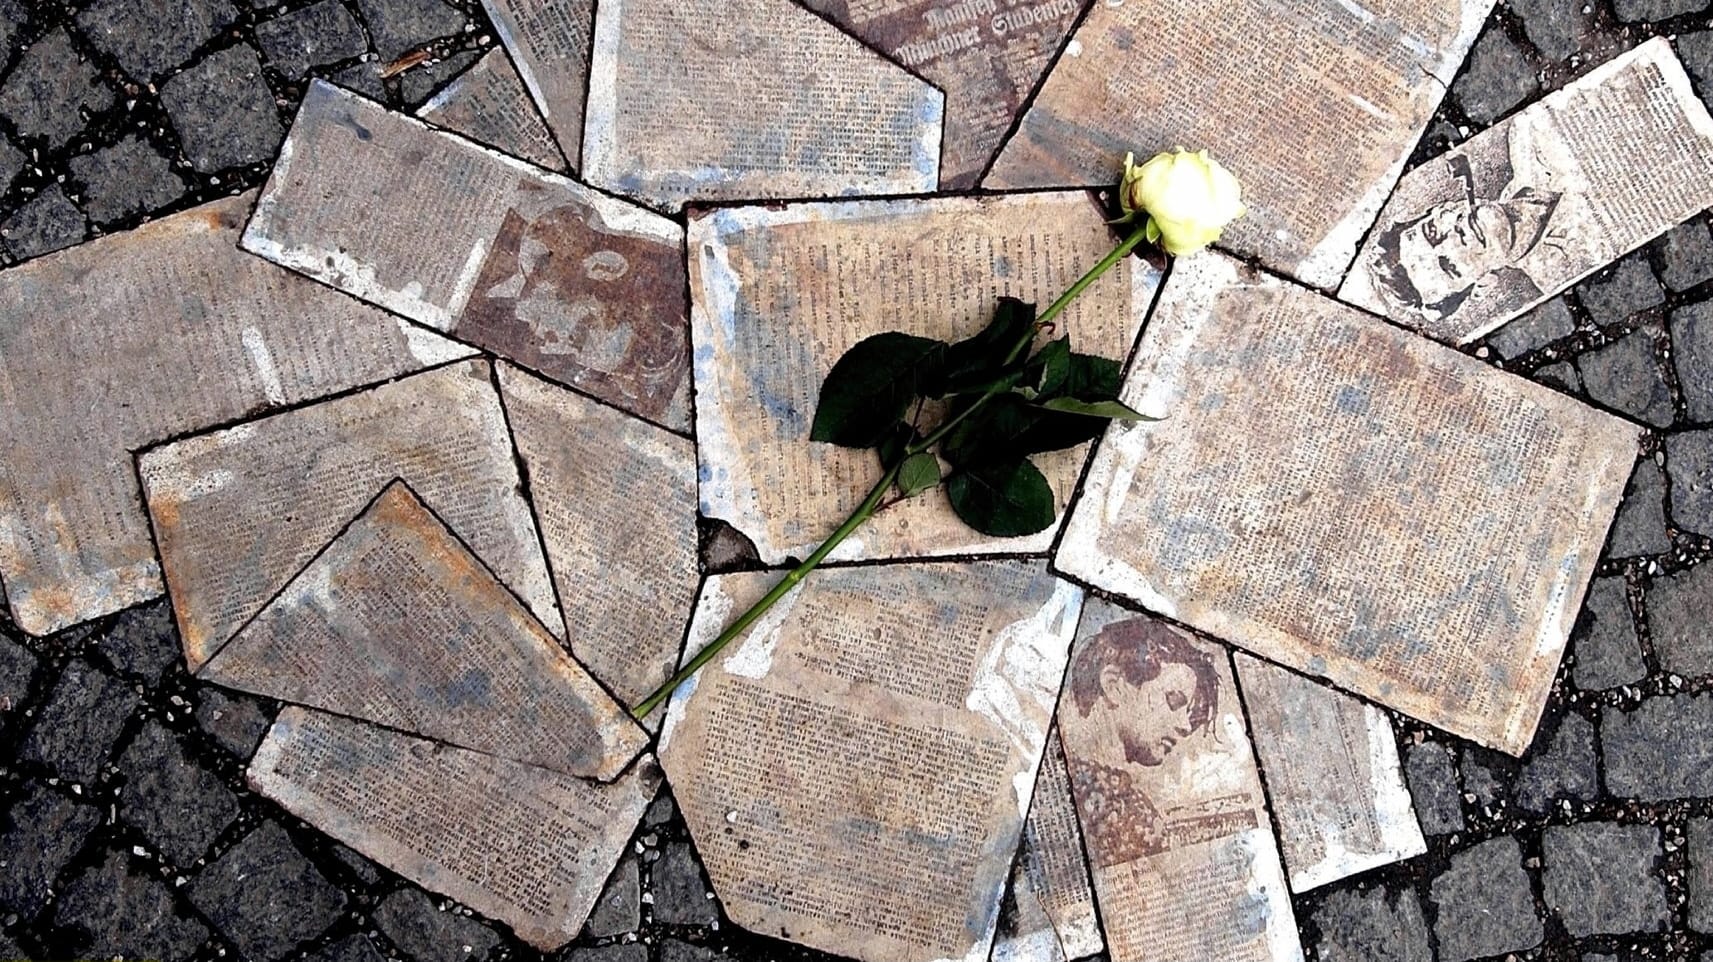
x=465 y=392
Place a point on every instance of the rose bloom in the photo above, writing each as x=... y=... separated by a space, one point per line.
x=1188 y=197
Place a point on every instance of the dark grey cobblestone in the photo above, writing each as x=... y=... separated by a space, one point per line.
x=1689 y=460
x=1604 y=644
x=81 y=721
x=1692 y=336
x=1549 y=322
x=634 y=952
x=236 y=721
x=1696 y=50
x=1625 y=376
x=680 y=895
x=319 y=34
x=1661 y=750
x=422 y=930
x=128 y=178
x=11 y=162
x=399 y=26
x=143 y=642
x=1629 y=896
x=1618 y=294
x=118 y=911
x=1372 y=926
x=1560 y=765
x=352 y=948
x=265 y=896
x=48 y=90
x=178 y=806
x=149 y=37
x=17 y=673
x=1485 y=904
x=223 y=112
x=1640 y=528
x=1680 y=620
x=618 y=911
x=1497 y=79
x=1635 y=11
x=48 y=223
x=1558 y=28
x=42 y=831
x=1433 y=785
x=1686 y=255
x=1700 y=855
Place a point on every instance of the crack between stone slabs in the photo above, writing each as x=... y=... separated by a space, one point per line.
x=1028 y=102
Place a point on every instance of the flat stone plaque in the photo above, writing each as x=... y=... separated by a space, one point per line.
x=1048 y=914
x=616 y=501
x=1185 y=865
x=987 y=55
x=1525 y=209
x=1314 y=106
x=488 y=103
x=239 y=512
x=527 y=846
x=549 y=41
x=856 y=769
x=778 y=295
x=1332 y=773
x=583 y=288
x=88 y=334
x=708 y=100
x=398 y=624
x=1343 y=497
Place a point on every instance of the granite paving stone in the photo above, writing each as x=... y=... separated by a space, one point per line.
x=1634 y=11
x=619 y=909
x=1483 y=777
x=1692 y=343
x=38 y=836
x=1497 y=79
x=358 y=863
x=180 y=807
x=1686 y=255
x=1640 y=527
x=631 y=952
x=1608 y=653
x=45 y=91
x=11 y=164
x=149 y=37
x=398 y=26
x=321 y=33
x=1433 y=788
x=1689 y=461
x=143 y=641
x=265 y=896
x=352 y=948
x=119 y=911
x=1680 y=620
x=424 y=932
x=1557 y=28
x=1614 y=296
x=1547 y=323
x=1699 y=838
x=364 y=78
x=418 y=84
x=1630 y=895
x=1376 y=925
x=223 y=111
x=237 y=721
x=1695 y=48
x=1660 y=750
x=80 y=721
x=1484 y=902
x=17 y=673
x=680 y=895
x=46 y=223
x=1561 y=375
x=130 y=177
x=1625 y=375
x=1564 y=766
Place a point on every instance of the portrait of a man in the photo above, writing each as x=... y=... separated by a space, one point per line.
x=1155 y=693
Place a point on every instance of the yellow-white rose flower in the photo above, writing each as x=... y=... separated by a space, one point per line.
x=1188 y=197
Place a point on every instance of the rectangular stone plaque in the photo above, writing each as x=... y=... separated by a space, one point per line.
x=1331 y=763
x=582 y=287
x=527 y=846
x=1185 y=865
x=88 y=334
x=1341 y=496
x=1048 y=914
x=1314 y=106
x=987 y=55
x=548 y=41
x=778 y=295
x=1523 y=210
x=395 y=622
x=488 y=103
x=616 y=501
x=710 y=100
x=239 y=512
x=857 y=768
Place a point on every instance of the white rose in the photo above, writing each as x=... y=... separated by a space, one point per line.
x=1189 y=198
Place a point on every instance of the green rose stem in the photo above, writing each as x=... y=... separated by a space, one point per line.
x=877 y=494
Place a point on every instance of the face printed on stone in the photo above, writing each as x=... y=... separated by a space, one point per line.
x=1456 y=244
x=1159 y=718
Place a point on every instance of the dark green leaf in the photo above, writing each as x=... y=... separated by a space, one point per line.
x=870 y=388
x=976 y=363
x=920 y=472
x=1049 y=368
x=1003 y=500
x=1092 y=378
x=892 y=444
x=992 y=433
x=1112 y=410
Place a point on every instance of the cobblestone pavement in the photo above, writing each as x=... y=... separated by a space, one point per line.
x=127 y=828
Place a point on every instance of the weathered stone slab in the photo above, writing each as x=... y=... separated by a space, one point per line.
x=537 y=268
x=1185 y=865
x=239 y=512
x=1318 y=135
x=395 y=622
x=856 y=769
x=986 y=55
x=88 y=333
x=524 y=845
x=778 y=295
x=1340 y=496
x=748 y=100
x=1048 y=914
x=616 y=501
x=549 y=42
x=1332 y=775
x=1527 y=208
x=489 y=104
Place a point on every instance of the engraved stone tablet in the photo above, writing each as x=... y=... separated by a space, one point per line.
x=397 y=623
x=1185 y=865
x=616 y=501
x=1524 y=210
x=239 y=512
x=987 y=55
x=88 y=334
x=1332 y=773
x=745 y=100
x=1351 y=500
x=524 y=845
x=489 y=104
x=549 y=43
x=856 y=769
x=584 y=288
x=1314 y=106
x=779 y=294
x=1048 y=913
